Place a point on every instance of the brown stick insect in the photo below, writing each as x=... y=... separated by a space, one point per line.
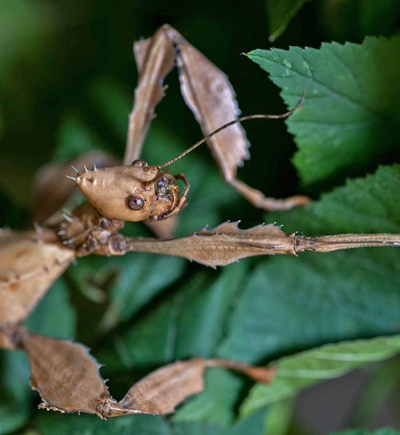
x=64 y=373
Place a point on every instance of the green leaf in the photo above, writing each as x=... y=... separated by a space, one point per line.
x=280 y=12
x=350 y=117
x=327 y=362
x=121 y=286
x=191 y=322
x=279 y=417
x=54 y=315
x=290 y=304
x=15 y=392
x=49 y=423
x=363 y=205
x=252 y=425
x=55 y=423
x=217 y=402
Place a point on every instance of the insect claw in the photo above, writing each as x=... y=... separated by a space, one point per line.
x=66 y=242
x=60 y=233
x=94 y=167
x=85 y=168
x=76 y=170
x=72 y=178
x=65 y=216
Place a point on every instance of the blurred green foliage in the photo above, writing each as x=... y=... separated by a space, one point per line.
x=67 y=76
x=383 y=431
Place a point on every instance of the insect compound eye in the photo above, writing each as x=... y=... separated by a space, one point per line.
x=139 y=163
x=135 y=202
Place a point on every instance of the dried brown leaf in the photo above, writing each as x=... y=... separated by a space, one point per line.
x=162 y=390
x=209 y=94
x=30 y=262
x=155 y=58
x=68 y=380
x=141 y=51
x=65 y=374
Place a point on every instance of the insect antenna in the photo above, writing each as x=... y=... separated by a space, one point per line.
x=223 y=127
